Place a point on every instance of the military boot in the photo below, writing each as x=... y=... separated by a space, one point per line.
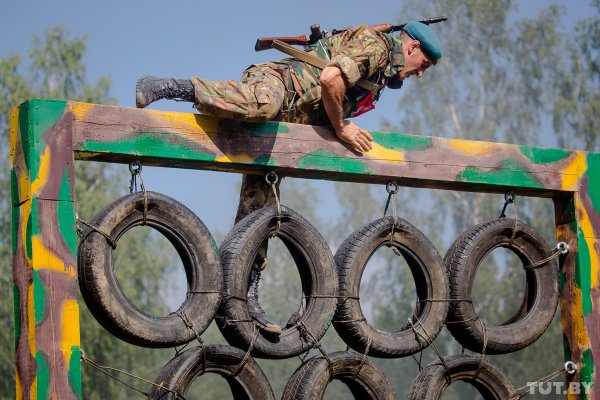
x=148 y=89
x=254 y=308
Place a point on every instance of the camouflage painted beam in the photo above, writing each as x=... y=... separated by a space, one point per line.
x=46 y=135
x=117 y=134
x=44 y=253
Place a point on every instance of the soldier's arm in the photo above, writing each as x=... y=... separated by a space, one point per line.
x=333 y=88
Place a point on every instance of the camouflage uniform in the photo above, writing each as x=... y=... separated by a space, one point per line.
x=289 y=90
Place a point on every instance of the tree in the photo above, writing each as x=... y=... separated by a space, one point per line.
x=57 y=71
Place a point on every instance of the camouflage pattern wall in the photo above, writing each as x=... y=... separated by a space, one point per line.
x=47 y=135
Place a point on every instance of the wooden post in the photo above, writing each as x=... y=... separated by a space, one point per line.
x=44 y=251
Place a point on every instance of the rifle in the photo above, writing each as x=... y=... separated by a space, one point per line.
x=316 y=34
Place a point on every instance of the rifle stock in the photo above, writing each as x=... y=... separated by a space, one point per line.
x=316 y=34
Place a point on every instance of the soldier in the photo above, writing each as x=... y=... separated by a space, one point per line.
x=361 y=62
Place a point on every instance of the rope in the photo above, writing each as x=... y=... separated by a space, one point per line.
x=112 y=243
x=104 y=369
x=429 y=341
x=485 y=340
x=304 y=330
x=364 y=356
x=247 y=355
x=556 y=254
x=545 y=379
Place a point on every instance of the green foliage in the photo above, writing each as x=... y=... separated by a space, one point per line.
x=57 y=71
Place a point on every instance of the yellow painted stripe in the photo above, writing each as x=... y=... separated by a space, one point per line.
x=585 y=224
x=573 y=172
x=383 y=153
x=43 y=175
x=31 y=320
x=44 y=258
x=173 y=120
x=473 y=148
x=242 y=158
x=70 y=329
x=19 y=385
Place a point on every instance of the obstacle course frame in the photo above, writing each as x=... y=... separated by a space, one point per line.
x=47 y=136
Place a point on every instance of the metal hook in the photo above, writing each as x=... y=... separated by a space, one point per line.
x=570 y=367
x=562 y=247
x=271 y=178
x=509 y=198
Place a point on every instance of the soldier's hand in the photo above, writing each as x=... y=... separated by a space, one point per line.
x=358 y=138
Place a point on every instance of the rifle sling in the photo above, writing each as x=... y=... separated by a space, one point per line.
x=317 y=62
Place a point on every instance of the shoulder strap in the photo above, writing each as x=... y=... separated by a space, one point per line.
x=317 y=62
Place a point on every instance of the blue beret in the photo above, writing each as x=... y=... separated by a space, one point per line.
x=429 y=40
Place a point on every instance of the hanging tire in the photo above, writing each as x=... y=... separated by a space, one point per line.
x=540 y=299
x=430 y=281
x=317 y=274
x=195 y=246
x=248 y=382
x=362 y=377
x=431 y=383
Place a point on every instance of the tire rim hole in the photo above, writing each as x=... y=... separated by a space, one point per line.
x=388 y=275
x=155 y=294
x=336 y=389
x=209 y=386
x=461 y=390
x=499 y=287
x=281 y=273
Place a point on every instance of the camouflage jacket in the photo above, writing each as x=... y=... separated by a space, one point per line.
x=359 y=53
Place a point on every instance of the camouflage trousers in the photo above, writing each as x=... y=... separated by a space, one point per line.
x=257 y=97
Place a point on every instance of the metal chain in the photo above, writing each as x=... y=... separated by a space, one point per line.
x=135 y=167
x=392 y=189
x=271 y=179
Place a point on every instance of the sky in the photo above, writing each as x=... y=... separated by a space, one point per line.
x=181 y=39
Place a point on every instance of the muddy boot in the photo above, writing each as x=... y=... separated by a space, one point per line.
x=148 y=89
x=254 y=308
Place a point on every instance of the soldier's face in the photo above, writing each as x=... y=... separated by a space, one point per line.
x=415 y=61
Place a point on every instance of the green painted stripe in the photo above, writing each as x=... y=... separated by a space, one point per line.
x=75 y=371
x=148 y=144
x=583 y=273
x=26 y=133
x=267 y=128
x=511 y=174
x=593 y=175
x=66 y=216
x=43 y=375
x=39 y=298
x=265 y=160
x=44 y=115
x=544 y=156
x=587 y=369
x=322 y=160
x=566 y=347
x=29 y=229
x=397 y=141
